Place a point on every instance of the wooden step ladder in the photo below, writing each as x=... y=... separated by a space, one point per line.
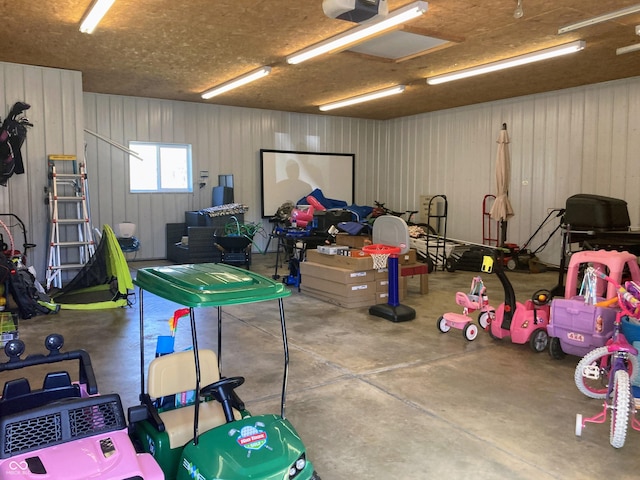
x=71 y=243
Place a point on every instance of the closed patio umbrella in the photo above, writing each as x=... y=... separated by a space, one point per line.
x=502 y=209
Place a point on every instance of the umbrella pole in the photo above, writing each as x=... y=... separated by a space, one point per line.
x=503 y=232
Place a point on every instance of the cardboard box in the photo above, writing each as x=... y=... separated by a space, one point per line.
x=354 y=241
x=335 y=274
x=331 y=249
x=350 y=290
x=382 y=296
x=409 y=257
x=358 y=260
x=8 y=327
x=382 y=286
x=381 y=274
x=345 y=302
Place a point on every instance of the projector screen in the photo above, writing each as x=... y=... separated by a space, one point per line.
x=290 y=176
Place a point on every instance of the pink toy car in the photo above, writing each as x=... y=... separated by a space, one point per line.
x=521 y=322
x=64 y=430
x=470 y=302
x=577 y=326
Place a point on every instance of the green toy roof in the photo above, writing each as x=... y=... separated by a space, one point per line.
x=208 y=284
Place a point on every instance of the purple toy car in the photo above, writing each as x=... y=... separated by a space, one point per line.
x=577 y=326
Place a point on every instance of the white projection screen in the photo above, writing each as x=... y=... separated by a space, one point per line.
x=290 y=176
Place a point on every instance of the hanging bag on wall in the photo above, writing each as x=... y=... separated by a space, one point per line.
x=12 y=135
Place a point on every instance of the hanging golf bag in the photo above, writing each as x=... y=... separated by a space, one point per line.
x=12 y=135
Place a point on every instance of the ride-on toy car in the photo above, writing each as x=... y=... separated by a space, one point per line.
x=476 y=299
x=579 y=322
x=523 y=323
x=208 y=434
x=64 y=430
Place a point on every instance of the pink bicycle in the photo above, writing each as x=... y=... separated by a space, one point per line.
x=607 y=372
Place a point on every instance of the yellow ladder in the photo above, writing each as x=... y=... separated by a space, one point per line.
x=71 y=243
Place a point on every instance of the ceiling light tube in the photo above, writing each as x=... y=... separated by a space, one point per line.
x=628 y=49
x=509 y=62
x=600 y=19
x=363 y=98
x=237 y=82
x=94 y=15
x=366 y=29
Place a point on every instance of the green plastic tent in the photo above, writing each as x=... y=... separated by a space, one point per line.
x=104 y=282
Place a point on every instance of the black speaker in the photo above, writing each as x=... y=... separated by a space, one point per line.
x=221 y=196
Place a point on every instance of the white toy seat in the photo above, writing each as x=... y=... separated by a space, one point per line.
x=175 y=373
x=126 y=230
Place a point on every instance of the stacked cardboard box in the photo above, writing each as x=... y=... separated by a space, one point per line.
x=354 y=241
x=345 y=280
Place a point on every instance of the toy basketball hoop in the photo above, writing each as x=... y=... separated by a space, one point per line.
x=380 y=253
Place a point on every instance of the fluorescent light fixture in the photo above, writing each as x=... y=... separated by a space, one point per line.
x=237 y=82
x=95 y=14
x=364 y=98
x=366 y=29
x=628 y=49
x=600 y=19
x=509 y=62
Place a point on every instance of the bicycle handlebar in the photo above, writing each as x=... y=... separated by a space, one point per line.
x=623 y=293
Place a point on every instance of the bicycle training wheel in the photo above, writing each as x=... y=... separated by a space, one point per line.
x=592 y=372
x=620 y=412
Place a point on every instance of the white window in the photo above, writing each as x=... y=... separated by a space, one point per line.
x=166 y=167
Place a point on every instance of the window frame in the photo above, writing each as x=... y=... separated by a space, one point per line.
x=158 y=146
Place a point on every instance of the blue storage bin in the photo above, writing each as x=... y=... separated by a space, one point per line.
x=631 y=330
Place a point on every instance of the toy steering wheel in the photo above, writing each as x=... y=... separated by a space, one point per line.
x=541 y=297
x=222 y=391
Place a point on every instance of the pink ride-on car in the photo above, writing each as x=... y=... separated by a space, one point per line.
x=64 y=430
x=580 y=321
x=475 y=300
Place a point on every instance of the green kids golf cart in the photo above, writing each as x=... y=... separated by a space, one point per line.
x=190 y=417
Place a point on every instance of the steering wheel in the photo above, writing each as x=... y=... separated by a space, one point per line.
x=541 y=297
x=222 y=391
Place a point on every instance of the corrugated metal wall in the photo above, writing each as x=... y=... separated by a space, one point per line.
x=225 y=140
x=581 y=140
x=56 y=112
x=578 y=140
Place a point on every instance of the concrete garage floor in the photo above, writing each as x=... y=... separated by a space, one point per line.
x=373 y=399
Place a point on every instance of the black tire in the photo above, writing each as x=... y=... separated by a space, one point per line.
x=485 y=319
x=512 y=264
x=555 y=349
x=539 y=340
x=470 y=331
x=442 y=325
x=451 y=264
